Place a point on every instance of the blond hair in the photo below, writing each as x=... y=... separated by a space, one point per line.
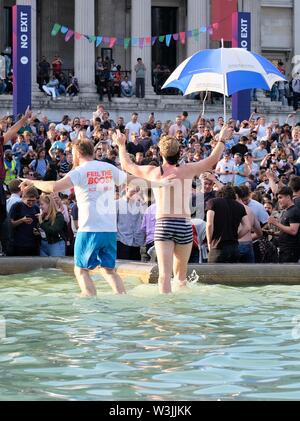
x=169 y=146
x=52 y=212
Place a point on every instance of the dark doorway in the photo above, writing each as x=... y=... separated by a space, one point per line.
x=164 y=21
x=7 y=27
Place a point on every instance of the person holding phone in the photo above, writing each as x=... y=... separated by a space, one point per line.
x=52 y=228
x=4 y=140
x=24 y=221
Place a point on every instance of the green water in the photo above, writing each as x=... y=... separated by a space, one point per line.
x=207 y=343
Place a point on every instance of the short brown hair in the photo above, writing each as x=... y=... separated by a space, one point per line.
x=14 y=186
x=31 y=192
x=85 y=148
x=285 y=191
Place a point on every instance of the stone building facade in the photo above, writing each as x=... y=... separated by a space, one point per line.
x=274 y=30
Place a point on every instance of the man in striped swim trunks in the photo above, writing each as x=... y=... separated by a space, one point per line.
x=174 y=233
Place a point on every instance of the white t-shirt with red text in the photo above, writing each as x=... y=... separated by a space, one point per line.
x=94 y=184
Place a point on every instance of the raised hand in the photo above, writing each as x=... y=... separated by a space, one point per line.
x=119 y=138
x=225 y=133
x=28 y=113
x=25 y=183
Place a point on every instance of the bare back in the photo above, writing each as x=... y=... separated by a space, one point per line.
x=172 y=200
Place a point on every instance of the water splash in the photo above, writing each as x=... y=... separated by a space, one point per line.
x=193 y=279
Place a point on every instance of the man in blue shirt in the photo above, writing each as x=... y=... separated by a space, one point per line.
x=156 y=133
x=19 y=150
x=241 y=170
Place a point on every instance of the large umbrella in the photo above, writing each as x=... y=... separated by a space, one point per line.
x=224 y=70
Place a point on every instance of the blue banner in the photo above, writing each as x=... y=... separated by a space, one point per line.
x=21 y=58
x=241 y=38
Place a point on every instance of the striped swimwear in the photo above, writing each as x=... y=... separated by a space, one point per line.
x=178 y=230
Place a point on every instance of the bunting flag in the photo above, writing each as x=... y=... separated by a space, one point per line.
x=69 y=35
x=99 y=41
x=64 y=29
x=196 y=33
x=56 y=29
x=135 y=42
x=168 y=40
x=112 y=42
x=182 y=36
x=141 y=42
x=126 y=43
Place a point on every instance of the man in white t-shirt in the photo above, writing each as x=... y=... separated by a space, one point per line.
x=96 y=240
x=225 y=169
x=64 y=125
x=132 y=127
x=261 y=128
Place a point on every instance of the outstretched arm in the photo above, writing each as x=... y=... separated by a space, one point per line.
x=13 y=131
x=49 y=186
x=127 y=165
x=194 y=170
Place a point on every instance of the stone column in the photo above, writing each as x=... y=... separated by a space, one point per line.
x=141 y=27
x=296 y=27
x=254 y=7
x=33 y=5
x=85 y=50
x=197 y=16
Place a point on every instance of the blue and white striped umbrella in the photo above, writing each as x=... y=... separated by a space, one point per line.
x=224 y=70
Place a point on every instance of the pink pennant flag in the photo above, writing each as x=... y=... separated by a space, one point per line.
x=210 y=30
x=216 y=25
x=148 y=40
x=141 y=42
x=112 y=42
x=182 y=37
x=78 y=36
x=69 y=35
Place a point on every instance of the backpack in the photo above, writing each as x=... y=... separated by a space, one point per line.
x=265 y=251
x=37 y=163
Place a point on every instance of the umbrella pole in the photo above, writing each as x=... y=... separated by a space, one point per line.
x=204 y=102
x=225 y=116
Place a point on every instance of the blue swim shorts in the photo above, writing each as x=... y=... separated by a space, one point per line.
x=96 y=249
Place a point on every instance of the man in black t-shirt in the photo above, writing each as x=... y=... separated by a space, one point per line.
x=226 y=221
x=289 y=224
x=23 y=217
x=295 y=186
x=241 y=147
x=134 y=147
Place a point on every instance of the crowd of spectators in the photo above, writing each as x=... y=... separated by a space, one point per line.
x=260 y=165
